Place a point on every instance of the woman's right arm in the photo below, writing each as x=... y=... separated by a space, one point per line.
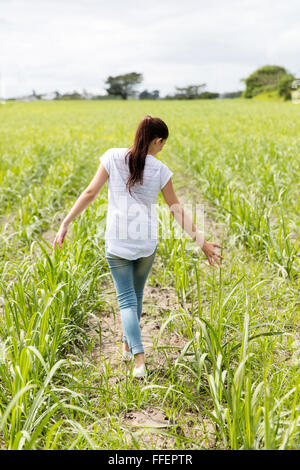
x=187 y=224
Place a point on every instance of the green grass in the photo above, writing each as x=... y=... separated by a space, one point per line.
x=268 y=96
x=237 y=375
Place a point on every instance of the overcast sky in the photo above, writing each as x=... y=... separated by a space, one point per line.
x=69 y=45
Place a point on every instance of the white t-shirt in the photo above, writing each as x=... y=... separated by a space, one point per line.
x=131 y=222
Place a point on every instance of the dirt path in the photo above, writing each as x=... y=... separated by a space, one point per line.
x=156 y=301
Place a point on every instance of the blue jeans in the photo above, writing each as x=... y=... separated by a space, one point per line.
x=129 y=278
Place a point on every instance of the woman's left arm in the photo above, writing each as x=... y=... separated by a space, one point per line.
x=88 y=195
x=187 y=224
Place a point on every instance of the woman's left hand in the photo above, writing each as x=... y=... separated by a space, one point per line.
x=60 y=236
x=211 y=254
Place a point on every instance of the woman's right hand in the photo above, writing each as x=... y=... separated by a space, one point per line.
x=60 y=236
x=210 y=253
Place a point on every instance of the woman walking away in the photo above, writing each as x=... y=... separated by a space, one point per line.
x=135 y=176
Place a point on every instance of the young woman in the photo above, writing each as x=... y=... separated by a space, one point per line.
x=135 y=176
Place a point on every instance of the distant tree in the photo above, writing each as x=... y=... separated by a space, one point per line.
x=57 y=95
x=38 y=97
x=147 y=95
x=189 y=92
x=123 y=85
x=208 y=95
x=192 y=92
x=285 y=86
x=106 y=97
x=72 y=96
x=231 y=94
x=266 y=78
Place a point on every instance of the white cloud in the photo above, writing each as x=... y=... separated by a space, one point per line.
x=75 y=44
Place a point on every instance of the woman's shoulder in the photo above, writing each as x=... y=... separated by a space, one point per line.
x=118 y=151
x=155 y=162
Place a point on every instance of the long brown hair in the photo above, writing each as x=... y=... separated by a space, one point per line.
x=148 y=129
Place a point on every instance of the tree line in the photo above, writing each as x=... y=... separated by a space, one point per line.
x=124 y=87
x=270 y=78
